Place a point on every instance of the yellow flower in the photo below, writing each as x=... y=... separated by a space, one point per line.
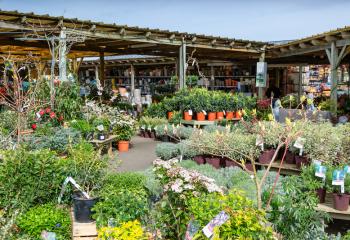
x=302 y=98
x=254 y=112
x=288 y=121
x=270 y=117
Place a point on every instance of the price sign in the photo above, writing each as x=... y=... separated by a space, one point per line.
x=190 y=112
x=299 y=143
x=320 y=171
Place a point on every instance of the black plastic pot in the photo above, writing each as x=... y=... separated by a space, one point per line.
x=165 y=138
x=82 y=209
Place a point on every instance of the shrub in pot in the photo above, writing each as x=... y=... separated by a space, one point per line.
x=340 y=200
x=266 y=156
x=313 y=183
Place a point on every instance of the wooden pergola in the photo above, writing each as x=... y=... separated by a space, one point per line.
x=21 y=33
x=331 y=47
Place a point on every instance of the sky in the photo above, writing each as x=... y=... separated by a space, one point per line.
x=260 y=20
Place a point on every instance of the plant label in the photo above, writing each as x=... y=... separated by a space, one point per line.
x=192 y=229
x=38 y=115
x=259 y=142
x=299 y=143
x=218 y=220
x=143 y=127
x=224 y=112
x=347 y=169
x=155 y=128
x=48 y=235
x=205 y=113
x=190 y=112
x=338 y=178
x=320 y=171
x=316 y=162
x=74 y=183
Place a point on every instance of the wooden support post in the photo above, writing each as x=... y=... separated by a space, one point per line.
x=182 y=65
x=62 y=56
x=132 y=78
x=212 y=76
x=102 y=69
x=300 y=82
x=260 y=89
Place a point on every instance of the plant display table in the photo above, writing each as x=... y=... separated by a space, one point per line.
x=286 y=169
x=100 y=144
x=328 y=207
x=83 y=231
x=196 y=123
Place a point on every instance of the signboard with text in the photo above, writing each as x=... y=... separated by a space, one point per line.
x=261 y=74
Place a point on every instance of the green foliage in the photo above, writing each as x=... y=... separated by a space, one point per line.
x=8 y=121
x=35 y=177
x=167 y=151
x=293 y=212
x=153 y=185
x=67 y=100
x=131 y=230
x=246 y=222
x=120 y=204
x=82 y=126
x=156 y=110
x=59 y=141
x=311 y=182
x=46 y=217
x=125 y=180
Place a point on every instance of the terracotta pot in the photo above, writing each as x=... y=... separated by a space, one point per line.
x=266 y=156
x=220 y=115
x=200 y=116
x=123 y=146
x=229 y=115
x=199 y=159
x=214 y=161
x=187 y=116
x=290 y=157
x=321 y=194
x=169 y=115
x=341 y=201
x=301 y=161
x=211 y=116
x=238 y=114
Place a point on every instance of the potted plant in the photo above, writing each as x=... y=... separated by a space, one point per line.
x=213 y=160
x=124 y=129
x=82 y=207
x=340 y=198
x=186 y=108
x=230 y=107
x=212 y=107
x=315 y=183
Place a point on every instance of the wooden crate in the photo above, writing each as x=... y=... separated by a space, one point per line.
x=83 y=231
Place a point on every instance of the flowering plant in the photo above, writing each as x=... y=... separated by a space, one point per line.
x=47 y=116
x=180 y=185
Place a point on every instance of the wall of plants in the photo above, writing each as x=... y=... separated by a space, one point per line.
x=201 y=101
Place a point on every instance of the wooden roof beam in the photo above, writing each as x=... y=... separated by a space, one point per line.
x=92 y=28
x=194 y=39
x=148 y=34
x=304 y=45
x=345 y=35
x=330 y=38
x=213 y=42
x=172 y=37
x=284 y=49
x=122 y=31
x=293 y=47
x=317 y=42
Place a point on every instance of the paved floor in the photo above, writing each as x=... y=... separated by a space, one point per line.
x=139 y=157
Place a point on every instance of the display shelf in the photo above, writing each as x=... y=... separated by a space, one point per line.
x=328 y=208
x=197 y=123
x=83 y=231
x=286 y=169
